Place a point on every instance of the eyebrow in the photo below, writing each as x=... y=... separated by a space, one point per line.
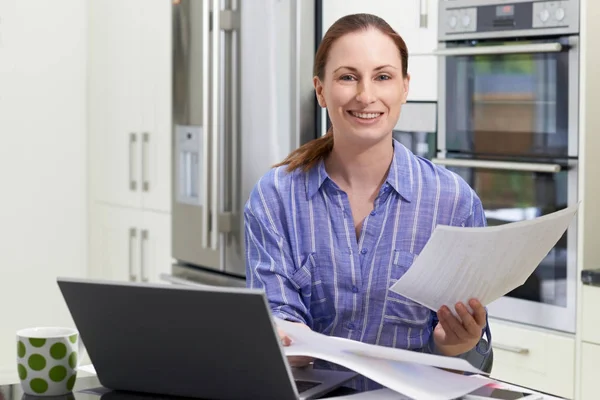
x=355 y=70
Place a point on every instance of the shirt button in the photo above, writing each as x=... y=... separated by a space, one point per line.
x=364 y=251
x=351 y=326
x=373 y=212
x=354 y=289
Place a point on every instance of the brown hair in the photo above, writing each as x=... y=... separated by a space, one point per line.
x=309 y=154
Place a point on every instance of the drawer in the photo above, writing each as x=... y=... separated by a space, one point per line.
x=535 y=358
x=590 y=371
x=590 y=317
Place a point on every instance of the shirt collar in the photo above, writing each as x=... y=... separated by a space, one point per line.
x=400 y=175
x=315 y=178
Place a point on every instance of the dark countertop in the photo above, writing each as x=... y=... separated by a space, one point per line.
x=15 y=392
x=89 y=388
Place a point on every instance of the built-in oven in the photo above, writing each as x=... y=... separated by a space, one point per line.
x=508 y=124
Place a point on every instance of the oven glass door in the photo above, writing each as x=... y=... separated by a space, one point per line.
x=499 y=102
x=510 y=194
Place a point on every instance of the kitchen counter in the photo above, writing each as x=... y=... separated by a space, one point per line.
x=88 y=387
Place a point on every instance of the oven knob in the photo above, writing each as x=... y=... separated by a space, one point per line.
x=466 y=20
x=452 y=21
x=559 y=14
x=544 y=15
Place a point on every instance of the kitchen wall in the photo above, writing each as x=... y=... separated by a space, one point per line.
x=43 y=228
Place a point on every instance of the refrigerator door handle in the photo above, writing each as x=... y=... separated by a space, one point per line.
x=215 y=122
x=234 y=200
x=229 y=139
x=205 y=122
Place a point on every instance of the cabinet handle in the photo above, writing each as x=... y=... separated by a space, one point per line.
x=512 y=349
x=132 y=182
x=145 y=155
x=132 y=237
x=215 y=123
x=143 y=255
x=423 y=13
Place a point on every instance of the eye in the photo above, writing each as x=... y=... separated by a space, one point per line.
x=384 y=77
x=346 y=78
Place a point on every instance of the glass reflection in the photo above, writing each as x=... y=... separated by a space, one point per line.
x=508 y=104
x=511 y=196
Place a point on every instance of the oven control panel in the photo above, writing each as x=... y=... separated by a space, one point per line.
x=551 y=14
x=466 y=19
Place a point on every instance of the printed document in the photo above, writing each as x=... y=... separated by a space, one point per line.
x=407 y=372
x=485 y=263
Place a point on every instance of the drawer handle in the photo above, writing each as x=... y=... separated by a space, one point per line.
x=512 y=349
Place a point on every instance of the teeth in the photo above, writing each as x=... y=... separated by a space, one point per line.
x=366 y=115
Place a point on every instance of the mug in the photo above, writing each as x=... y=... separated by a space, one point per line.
x=47 y=360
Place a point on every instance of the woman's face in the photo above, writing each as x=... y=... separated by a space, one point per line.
x=363 y=87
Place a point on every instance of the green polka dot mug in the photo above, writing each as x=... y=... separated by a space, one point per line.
x=47 y=360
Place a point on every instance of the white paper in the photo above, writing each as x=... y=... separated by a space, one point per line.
x=87 y=368
x=379 y=394
x=342 y=347
x=407 y=372
x=485 y=263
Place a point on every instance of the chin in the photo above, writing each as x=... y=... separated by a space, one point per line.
x=369 y=137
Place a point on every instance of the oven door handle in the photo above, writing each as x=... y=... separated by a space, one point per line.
x=502 y=49
x=504 y=165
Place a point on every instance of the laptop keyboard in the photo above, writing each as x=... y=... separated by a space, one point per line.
x=303 y=386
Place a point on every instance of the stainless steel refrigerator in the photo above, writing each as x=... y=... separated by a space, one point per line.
x=242 y=100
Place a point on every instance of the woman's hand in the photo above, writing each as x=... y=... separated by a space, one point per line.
x=453 y=337
x=295 y=361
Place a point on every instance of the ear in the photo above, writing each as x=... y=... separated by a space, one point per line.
x=319 y=91
x=406 y=83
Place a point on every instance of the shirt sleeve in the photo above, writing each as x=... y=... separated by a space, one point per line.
x=269 y=266
x=477 y=219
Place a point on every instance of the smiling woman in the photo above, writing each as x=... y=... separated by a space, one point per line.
x=337 y=70
x=343 y=217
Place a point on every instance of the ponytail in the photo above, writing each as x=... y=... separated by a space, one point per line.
x=309 y=154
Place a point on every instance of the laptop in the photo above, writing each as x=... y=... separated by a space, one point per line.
x=202 y=342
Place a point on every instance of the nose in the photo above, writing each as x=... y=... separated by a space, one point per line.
x=365 y=93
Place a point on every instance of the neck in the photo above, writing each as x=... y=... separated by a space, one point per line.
x=354 y=166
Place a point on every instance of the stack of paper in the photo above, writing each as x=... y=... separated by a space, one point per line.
x=411 y=373
x=458 y=264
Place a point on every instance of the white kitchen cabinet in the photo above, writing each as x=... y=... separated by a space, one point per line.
x=416 y=21
x=129 y=103
x=536 y=358
x=590 y=318
x=129 y=121
x=590 y=370
x=129 y=244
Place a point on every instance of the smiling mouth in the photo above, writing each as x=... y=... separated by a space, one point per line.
x=365 y=115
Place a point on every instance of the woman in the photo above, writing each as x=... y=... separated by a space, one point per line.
x=334 y=225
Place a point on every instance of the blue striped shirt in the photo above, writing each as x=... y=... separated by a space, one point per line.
x=302 y=249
